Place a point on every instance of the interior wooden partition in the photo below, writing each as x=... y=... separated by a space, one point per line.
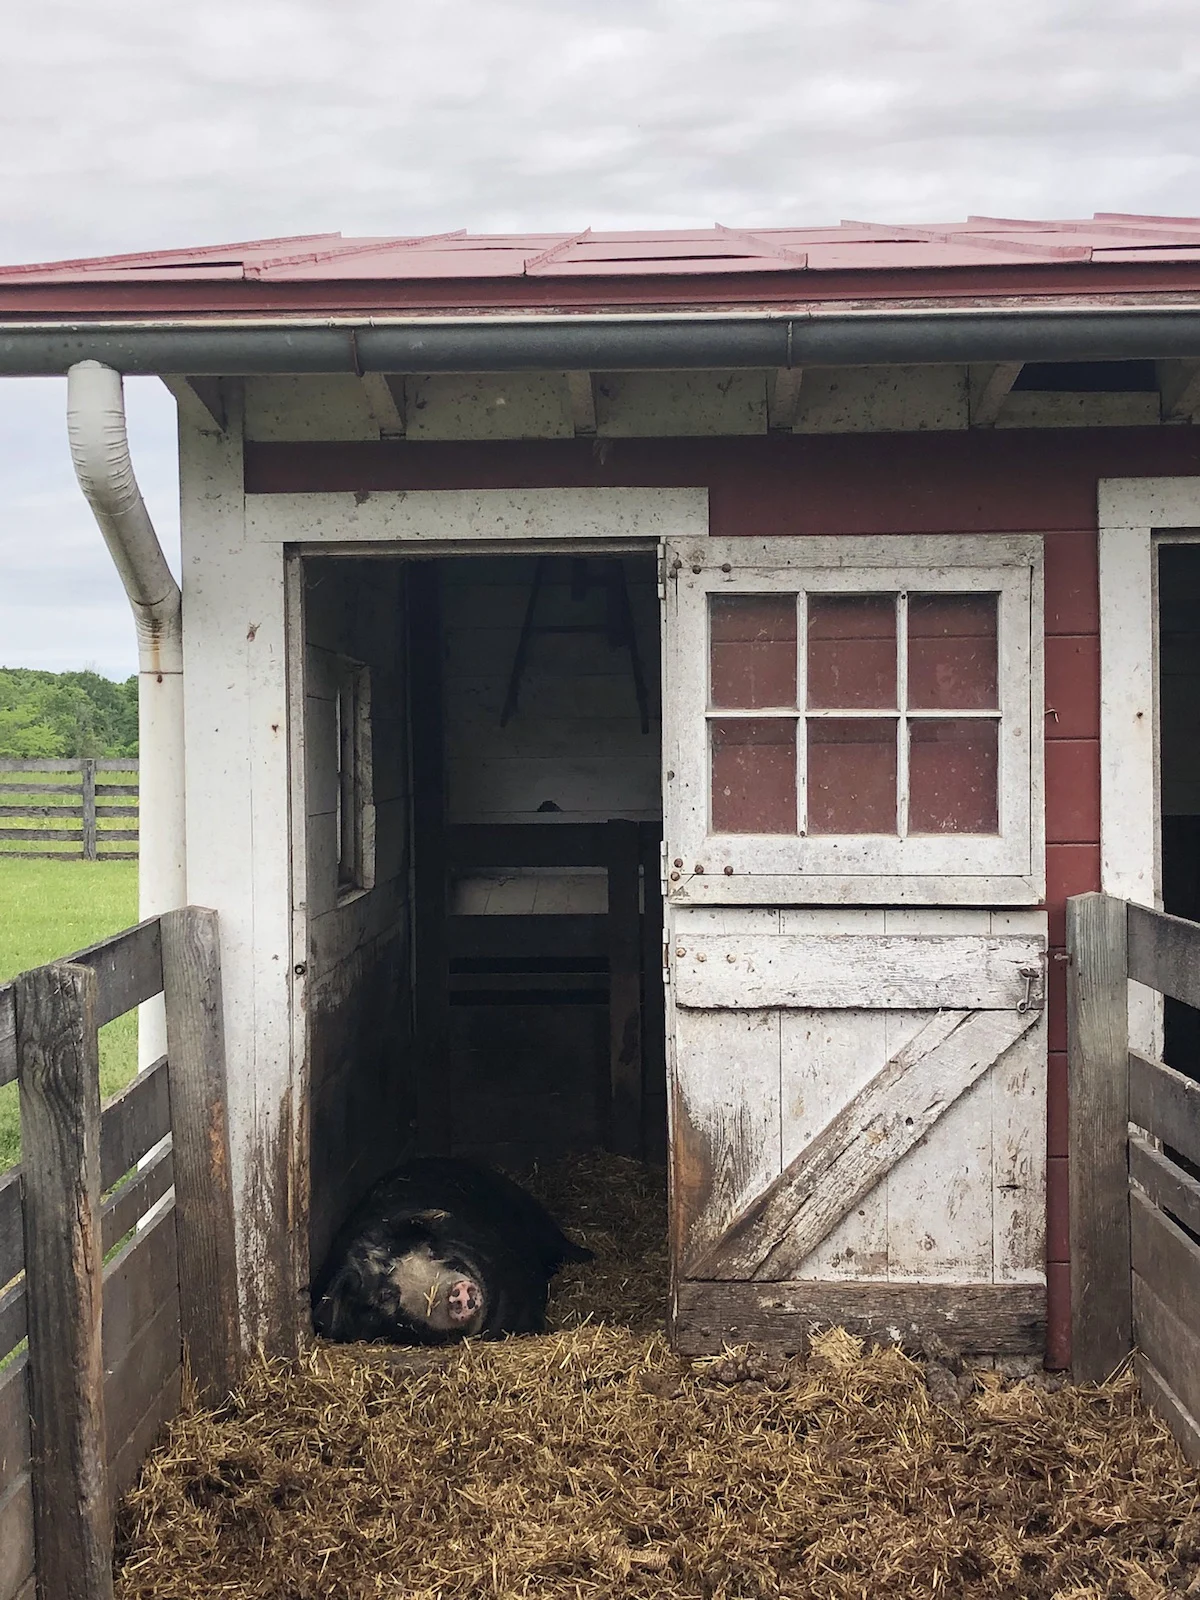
x=144 y=1181
x=625 y=943
x=1134 y=1161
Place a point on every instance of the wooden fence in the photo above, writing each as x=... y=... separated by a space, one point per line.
x=1134 y=1161
x=84 y=810
x=107 y=1340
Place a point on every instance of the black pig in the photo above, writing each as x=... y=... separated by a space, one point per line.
x=441 y=1249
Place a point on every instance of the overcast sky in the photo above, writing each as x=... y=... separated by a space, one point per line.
x=137 y=124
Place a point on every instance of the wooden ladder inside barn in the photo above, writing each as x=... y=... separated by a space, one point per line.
x=617 y=627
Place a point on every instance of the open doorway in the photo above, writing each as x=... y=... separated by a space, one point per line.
x=1179 y=769
x=482 y=807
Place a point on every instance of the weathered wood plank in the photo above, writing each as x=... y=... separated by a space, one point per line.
x=137 y=1281
x=484 y=937
x=8 y=1033
x=825 y=1058
x=208 y=1293
x=61 y=764
x=1169 y=1344
x=869 y=971
x=66 y=835
x=1164 y=953
x=60 y=1138
x=43 y=788
x=128 y=966
x=877 y=1126
x=1098 y=1074
x=1165 y=1103
x=624 y=988
x=1169 y=1188
x=132 y=1200
x=1166 y=1259
x=16 y=1538
x=89 y=810
x=14 y=1317
x=124 y=1467
x=725 y=1146
x=134 y=1121
x=515 y=844
x=137 y=1377
x=1157 y=1392
x=14 y=1421
x=12 y=1239
x=994 y=1319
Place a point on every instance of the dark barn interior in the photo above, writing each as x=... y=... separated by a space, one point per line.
x=483 y=827
x=1179 y=769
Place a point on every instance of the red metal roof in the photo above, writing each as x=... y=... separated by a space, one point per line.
x=543 y=268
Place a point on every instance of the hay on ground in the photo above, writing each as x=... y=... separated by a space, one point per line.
x=595 y=1463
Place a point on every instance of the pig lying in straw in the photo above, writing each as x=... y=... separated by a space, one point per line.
x=439 y=1250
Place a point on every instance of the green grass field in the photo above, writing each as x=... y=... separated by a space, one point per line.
x=47 y=910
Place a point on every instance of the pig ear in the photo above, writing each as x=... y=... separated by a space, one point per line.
x=331 y=1312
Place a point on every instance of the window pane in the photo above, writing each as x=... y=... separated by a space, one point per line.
x=852 y=775
x=952 y=767
x=952 y=652
x=851 y=652
x=754 y=775
x=753 y=650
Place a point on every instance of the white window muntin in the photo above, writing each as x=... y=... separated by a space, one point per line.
x=1004 y=866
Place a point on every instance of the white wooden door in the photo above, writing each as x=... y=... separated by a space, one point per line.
x=857 y=1085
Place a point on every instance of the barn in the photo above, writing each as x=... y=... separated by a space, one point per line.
x=656 y=692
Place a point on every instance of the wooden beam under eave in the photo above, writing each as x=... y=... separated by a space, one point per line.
x=200 y=400
x=582 y=390
x=387 y=403
x=783 y=399
x=987 y=389
x=1179 y=387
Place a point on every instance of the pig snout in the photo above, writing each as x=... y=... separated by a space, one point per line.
x=463 y=1300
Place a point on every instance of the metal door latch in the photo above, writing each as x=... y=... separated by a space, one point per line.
x=1031 y=975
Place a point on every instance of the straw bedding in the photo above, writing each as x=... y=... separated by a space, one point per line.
x=594 y=1463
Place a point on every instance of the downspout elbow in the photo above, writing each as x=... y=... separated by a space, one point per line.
x=100 y=453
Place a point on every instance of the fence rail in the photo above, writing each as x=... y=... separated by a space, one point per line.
x=107 y=1340
x=1134 y=1161
x=86 y=812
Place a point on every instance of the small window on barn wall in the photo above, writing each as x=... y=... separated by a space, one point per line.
x=355 y=797
x=852 y=720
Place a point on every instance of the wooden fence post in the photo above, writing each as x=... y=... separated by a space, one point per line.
x=59 y=1078
x=1098 y=1124
x=208 y=1299
x=89 y=810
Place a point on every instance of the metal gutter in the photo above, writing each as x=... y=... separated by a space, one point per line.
x=231 y=347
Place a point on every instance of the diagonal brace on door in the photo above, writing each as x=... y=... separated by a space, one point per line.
x=885 y=1119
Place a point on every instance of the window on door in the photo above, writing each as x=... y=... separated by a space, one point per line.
x=858 y=710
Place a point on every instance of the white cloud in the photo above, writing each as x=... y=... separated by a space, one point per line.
x=152 y=123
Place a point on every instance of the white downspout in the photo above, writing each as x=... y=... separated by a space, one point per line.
x=100 y=452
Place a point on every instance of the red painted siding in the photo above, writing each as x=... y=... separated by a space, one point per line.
x=977 y=482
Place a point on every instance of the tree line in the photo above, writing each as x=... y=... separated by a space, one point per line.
x=66 y=714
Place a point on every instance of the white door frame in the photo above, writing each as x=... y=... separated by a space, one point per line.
x=1136 y=515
